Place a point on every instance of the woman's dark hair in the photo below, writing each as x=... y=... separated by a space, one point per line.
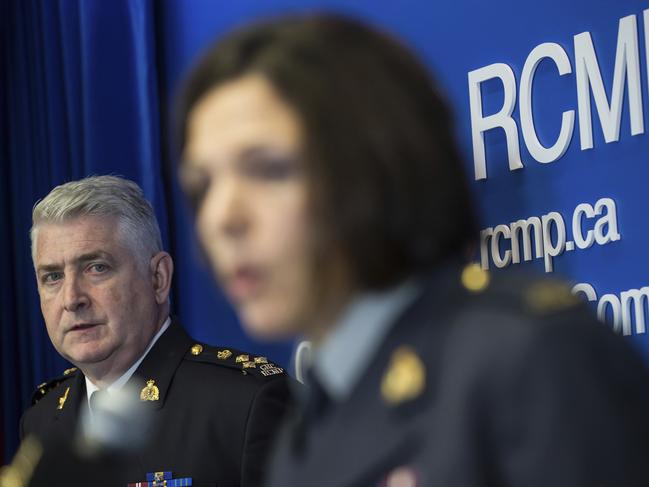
x=387 y=183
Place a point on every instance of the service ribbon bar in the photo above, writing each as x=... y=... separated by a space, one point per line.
x=158 y=476
x=162 y=479
x=164 y=483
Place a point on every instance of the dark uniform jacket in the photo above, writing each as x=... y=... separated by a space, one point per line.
x=215 y=414
x=511 y=384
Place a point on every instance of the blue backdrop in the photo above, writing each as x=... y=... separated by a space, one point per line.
x=457 y=38
x=85 y=86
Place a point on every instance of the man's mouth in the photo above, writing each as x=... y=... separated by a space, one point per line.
x=82 y=326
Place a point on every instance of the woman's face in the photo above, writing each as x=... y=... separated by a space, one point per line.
x=242 y=167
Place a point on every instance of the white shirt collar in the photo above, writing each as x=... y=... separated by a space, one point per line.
x=123 y=379
x=342 y=358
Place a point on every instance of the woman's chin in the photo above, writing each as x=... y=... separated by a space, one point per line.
x=265 y=323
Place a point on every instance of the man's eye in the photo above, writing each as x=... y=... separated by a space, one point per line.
x=99 y=268
x=52 y=277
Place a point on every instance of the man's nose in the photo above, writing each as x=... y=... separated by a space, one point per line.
x=74 y=295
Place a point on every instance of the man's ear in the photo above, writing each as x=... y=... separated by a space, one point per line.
x=162 y=269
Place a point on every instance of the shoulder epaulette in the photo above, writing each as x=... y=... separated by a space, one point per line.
x=42 y=389
x=549 y=296
x=234 y=359
x=538 y=296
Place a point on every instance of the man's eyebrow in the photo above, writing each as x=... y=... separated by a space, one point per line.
x=81 y=259
x=48 y=268
x=93 y=256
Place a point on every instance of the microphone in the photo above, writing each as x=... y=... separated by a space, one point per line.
x=117 y=421
x=101 y=453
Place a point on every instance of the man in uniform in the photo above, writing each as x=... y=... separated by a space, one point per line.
x=103 y=282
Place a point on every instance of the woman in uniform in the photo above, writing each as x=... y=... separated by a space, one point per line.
x=332 y=203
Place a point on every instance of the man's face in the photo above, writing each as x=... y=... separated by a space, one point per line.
x=99 y=302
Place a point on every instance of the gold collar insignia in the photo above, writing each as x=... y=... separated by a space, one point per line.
x=150 y=392
x=63 y=398
x=405 y=378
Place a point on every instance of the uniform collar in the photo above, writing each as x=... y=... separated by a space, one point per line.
x=124 y=378
x=342 y=358
x=158 y=368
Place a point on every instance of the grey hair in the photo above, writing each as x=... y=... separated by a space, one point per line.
x=102 y=196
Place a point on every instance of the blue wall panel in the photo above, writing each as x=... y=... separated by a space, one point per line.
x=455 y=38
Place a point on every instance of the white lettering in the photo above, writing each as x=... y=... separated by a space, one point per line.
x=485 y=235
x=638 y=297
x=582 y=209
x=631 y=305
x=495 y=246
x=586 y=289
x=524 y=228
x=543 y=154
x=550 y=235
x=609 y=220
x=589 y=77
x=503 y=119
x=612 y=301
x=646 y=42
x=550 y=249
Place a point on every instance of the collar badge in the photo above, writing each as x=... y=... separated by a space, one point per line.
x=63 y=398
x=150 y=392
x=405 y=378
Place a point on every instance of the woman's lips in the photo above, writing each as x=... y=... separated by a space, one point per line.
x=243 y=283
